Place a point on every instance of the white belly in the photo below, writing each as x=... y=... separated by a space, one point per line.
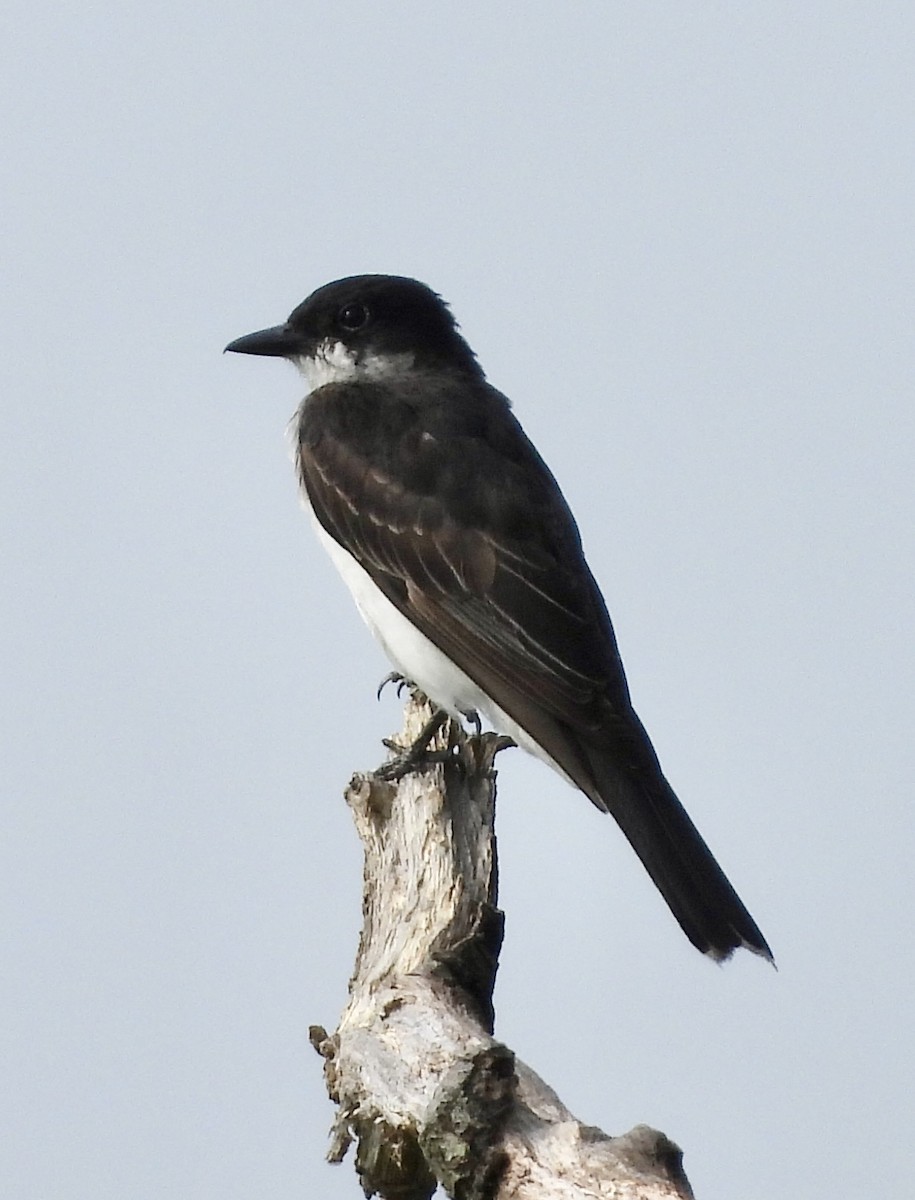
x=417 y=658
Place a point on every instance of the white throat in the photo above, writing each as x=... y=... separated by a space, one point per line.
x=334 y=362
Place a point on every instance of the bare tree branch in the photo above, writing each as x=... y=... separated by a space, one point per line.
x=422 y=1087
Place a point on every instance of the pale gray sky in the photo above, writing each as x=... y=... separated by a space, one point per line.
x=680 y=237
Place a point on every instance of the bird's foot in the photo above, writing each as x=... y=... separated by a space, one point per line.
x=393 y=677
x=472 y=717
x=402 y=682
x=417 y=755
x=478 y=752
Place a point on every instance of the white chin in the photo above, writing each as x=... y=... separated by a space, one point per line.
x=333 y=362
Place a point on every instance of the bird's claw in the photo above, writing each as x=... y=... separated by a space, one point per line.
x=393 y=677
x=417 y=754
x=472 y=717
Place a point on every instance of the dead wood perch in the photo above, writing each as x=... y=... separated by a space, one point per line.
x=421 y=1085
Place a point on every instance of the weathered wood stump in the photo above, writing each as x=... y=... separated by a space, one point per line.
x=421 y=1085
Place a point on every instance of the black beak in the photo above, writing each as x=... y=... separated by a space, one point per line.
x=281 y=341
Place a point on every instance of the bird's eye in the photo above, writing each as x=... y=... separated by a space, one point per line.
x=353 y=316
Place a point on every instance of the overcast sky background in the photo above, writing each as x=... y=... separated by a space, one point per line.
x=680 y=237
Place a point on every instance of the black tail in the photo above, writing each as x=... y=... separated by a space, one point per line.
x=684 y=870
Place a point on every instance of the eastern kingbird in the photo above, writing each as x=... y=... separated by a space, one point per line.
x=465 y=561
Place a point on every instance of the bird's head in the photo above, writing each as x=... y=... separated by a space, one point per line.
x=366 y=326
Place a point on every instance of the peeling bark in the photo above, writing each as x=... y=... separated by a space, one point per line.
x=422 y=1087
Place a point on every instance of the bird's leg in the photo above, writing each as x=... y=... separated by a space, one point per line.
x=415 y=756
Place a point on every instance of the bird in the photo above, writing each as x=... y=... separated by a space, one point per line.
x=465 y=561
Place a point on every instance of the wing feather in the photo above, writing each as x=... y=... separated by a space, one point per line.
x=495 y=589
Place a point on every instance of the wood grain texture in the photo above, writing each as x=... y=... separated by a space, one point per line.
x=424 y=1091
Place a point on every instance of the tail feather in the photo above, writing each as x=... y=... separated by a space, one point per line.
x=673 y=852
x=612 y=760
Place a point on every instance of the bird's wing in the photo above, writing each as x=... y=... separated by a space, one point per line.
x=499 y=585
